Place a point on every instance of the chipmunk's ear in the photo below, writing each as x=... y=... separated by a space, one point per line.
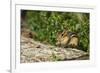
x=65 y=33
x=59 y=32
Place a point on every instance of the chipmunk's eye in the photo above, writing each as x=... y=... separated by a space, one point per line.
x=62 y=34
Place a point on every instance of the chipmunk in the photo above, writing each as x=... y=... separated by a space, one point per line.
x=67 y=39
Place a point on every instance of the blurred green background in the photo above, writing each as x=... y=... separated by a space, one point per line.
x=47 y=24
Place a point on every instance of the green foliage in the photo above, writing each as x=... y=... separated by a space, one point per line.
x=47 y=24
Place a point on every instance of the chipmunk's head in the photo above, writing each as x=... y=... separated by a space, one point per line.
x=62 y=39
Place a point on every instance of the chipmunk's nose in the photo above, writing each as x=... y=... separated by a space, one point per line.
x=58 y=44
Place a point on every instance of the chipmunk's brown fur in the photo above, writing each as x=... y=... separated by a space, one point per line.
x=67 y=39
x=73 y=41
x=62 y=39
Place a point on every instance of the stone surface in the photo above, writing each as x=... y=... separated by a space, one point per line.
x=34 y=51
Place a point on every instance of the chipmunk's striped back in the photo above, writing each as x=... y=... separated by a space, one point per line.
x=73 y=41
